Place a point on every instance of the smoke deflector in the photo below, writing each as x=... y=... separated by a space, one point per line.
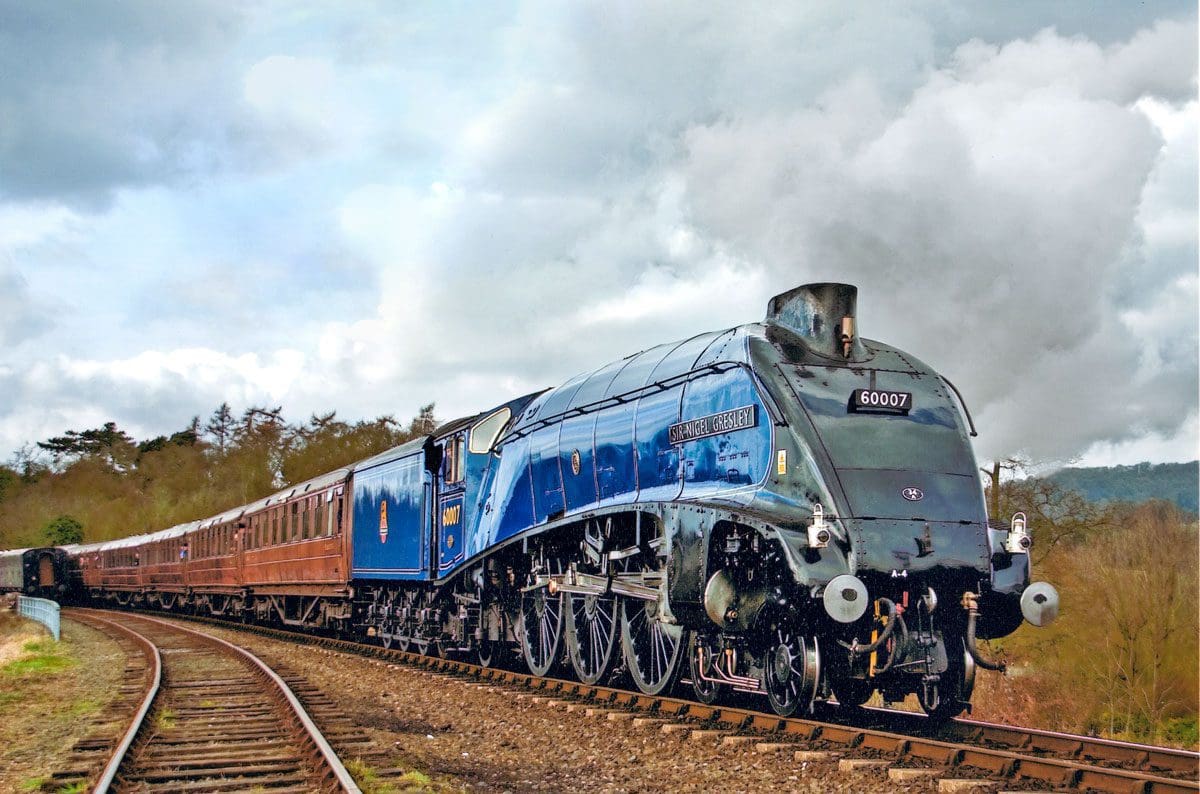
x=823 y=316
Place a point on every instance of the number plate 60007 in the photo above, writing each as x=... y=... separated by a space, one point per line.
x=867 y=400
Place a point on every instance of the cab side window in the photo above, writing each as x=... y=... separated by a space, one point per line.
x=452 y=460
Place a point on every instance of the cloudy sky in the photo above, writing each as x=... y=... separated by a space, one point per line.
x=366 y=207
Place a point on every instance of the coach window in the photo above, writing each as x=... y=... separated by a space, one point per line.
x=485 y=433
x=341 y=498
x=295 y=522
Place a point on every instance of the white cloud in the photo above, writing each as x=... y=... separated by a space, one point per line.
x=22 y=226
x=300 y=97
x=1179 y=447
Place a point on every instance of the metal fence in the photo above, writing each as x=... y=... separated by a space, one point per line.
x=42 y=610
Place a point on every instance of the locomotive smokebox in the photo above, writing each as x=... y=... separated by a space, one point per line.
x=824 y=316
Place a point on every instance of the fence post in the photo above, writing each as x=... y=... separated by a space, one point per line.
x=42 y=610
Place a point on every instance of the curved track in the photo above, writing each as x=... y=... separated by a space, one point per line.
x=962 y=748
x=213 y=718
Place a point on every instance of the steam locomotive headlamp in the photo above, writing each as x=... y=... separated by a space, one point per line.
x=818 y=531
x=1039 y=603
x=846 y=598
x=1018 y=541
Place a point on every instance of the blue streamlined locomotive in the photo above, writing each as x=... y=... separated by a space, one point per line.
x=784 y=508
x=781 y=508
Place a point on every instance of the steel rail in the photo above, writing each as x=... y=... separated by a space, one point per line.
x=952 y=754
x=151 y=652
x=1038 y=739
x=311 y=732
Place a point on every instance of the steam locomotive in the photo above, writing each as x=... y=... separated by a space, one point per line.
x=782 y=508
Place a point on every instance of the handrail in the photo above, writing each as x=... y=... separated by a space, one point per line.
x=716 y=367
x=963 y=403
x=43 y=610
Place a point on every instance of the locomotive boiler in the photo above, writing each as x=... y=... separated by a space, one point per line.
x=782 y=508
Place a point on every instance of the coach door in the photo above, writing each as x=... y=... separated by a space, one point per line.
x=46 y=570
x=451 y=503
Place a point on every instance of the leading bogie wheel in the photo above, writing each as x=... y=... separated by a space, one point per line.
x=702 y=662
x=791 y=671
x=950 y=696
x=851 y=692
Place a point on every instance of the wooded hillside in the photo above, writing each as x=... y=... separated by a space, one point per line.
x=1174 y=482
x=100 y=484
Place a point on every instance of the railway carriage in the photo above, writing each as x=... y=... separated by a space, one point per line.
x=294 y=547
x=39 y=572
x=782 y=508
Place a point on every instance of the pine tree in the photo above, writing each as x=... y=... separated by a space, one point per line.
x=221 y=427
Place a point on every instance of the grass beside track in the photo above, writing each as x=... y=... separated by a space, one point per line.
x=50 y=692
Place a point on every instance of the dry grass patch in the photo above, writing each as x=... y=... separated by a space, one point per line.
x=50 y=692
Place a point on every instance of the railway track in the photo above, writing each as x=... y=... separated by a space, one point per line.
x=963 y=750
x=202 y=715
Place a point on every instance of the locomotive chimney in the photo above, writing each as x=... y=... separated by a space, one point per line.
x=822 y=315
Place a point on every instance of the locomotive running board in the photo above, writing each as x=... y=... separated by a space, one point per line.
x=643 y=586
